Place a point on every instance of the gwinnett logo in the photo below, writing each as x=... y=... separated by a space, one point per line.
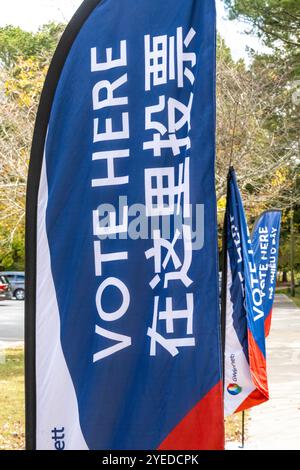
x=58 y=437
x=234 y=368
x=234 y=389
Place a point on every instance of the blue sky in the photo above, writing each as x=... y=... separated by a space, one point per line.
x=30 y=14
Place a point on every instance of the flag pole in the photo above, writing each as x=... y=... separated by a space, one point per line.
x=243 y=430
x=224 y=283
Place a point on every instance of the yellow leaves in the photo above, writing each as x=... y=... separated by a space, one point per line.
x=26 y=82
x=12 y=401
x=279 y=177
x=222 y=203
x=285 y=217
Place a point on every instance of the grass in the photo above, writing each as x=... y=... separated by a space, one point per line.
x=12 y=436
x=233 y=427
x=12 y=418
x=295 y=299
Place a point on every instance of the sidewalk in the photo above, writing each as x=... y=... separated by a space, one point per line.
x=276 y=424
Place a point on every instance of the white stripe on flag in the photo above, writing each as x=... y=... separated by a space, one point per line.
x=237 y=371
x=56 y=400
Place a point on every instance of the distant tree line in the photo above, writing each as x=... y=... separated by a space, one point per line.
x=257 y=127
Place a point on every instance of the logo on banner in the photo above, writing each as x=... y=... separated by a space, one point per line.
x=58 y=437
x=234 y=389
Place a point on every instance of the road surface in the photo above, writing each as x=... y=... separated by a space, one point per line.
x=11 y=323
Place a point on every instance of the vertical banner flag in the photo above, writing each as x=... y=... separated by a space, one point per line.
x=123 y=345
x=245 y=356
x=265 y=242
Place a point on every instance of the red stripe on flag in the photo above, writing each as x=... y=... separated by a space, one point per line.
x=258 y=369
x=258 y=366
x=202 y=428
x=255 y=398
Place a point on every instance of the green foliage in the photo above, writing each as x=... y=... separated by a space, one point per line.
x=24 y=60
x=285 y=240
x=223 y=51
x=12 y=409
x=284 y=253
x=15 y=43
x=274 y=19
x=12 y=252
x=277 y=22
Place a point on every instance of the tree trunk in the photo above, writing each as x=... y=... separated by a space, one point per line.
x=292 y=255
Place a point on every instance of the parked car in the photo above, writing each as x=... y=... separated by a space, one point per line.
x=17 y=283
x=5 y=289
